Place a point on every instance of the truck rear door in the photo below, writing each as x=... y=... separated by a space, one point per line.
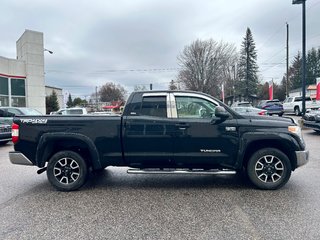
x=148 y=131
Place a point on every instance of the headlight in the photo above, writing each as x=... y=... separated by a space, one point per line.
x=296 y=130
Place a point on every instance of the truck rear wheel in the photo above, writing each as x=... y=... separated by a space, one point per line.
x=67 y=171
x=269 y=169
x=297 y=111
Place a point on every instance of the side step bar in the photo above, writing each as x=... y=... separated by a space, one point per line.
x=180 y=171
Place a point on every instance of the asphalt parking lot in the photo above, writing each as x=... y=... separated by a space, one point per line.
x=115 y=205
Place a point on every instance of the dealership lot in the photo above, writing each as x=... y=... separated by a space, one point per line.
x=115 y=205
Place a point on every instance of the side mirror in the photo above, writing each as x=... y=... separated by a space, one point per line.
x=221 y=113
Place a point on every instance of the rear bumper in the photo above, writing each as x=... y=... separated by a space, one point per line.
x=4 y=137
x=302 y=157
x=277 y=112
x=19 y=158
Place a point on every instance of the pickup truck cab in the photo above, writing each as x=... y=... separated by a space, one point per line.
x=161 y=132
x=294 y=105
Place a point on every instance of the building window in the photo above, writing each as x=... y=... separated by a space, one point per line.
x=4 y=101
x=4 y=92
x=18 y=101
x=4 y=86
x=18 y=92
x=14 y=89
x=18 y=87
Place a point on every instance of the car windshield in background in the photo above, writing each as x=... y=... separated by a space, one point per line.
x=241 y=104
x=249 y=111
x=30 y=111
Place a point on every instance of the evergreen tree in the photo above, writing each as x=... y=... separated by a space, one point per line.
x=52 y=103
x=247 y=83
x=279 y=91
x=295 y=73
x=69 y=102
x=313 y=66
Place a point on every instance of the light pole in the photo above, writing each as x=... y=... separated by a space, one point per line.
x=303 y=2
x=47 y=50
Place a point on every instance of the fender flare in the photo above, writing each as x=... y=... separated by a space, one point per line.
x=41 y=156
x=251 y=137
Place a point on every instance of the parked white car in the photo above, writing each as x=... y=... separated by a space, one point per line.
x=294 y=105
x=70 y=111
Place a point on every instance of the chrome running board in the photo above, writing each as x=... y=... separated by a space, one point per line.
x=180 y=171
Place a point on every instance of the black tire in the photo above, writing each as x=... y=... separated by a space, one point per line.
x=3 y=143
x=67 y=171
x=269 y=169
x=280 y=114
x=297 y=111
x=316 y=130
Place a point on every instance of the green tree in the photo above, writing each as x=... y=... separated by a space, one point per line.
x=79 y=102
x=313 y=66
x=279 y=91
x=295 y=73
x=247 y=82
x=69 y=102
x=52 y=103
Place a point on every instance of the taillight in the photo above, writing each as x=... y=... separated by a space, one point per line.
x=262 y=113
x=15 y=133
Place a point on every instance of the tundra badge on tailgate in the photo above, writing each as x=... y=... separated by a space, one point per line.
x=34 y=121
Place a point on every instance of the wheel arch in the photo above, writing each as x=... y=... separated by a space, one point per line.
x=281 y=145
x=51 y=143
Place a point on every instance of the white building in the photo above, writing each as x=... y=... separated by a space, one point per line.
x=311 y=91
x=22 y=81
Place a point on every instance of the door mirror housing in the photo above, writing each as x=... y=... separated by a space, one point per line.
x=220 y=112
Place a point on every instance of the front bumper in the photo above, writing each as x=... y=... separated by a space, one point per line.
x=19 y=158
x=302 y=157
x=312 y=124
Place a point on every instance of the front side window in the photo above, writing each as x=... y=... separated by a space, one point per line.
x=154 y=106
x=193 y=107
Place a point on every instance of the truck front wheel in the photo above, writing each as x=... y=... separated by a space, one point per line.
x=269 y=169
x=67 y=171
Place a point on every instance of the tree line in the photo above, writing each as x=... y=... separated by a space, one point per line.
x=212 y=67
x=208 y=65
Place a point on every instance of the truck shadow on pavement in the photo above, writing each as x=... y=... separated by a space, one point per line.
x=118 y=178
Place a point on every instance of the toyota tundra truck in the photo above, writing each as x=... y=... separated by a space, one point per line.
x=161 y=132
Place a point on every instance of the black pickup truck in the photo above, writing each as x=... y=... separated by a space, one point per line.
x=161 y=132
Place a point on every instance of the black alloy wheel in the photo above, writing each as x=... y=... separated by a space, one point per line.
x=269 y=168
x=67 y=171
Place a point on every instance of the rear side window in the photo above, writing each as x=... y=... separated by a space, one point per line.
x=154 y=106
